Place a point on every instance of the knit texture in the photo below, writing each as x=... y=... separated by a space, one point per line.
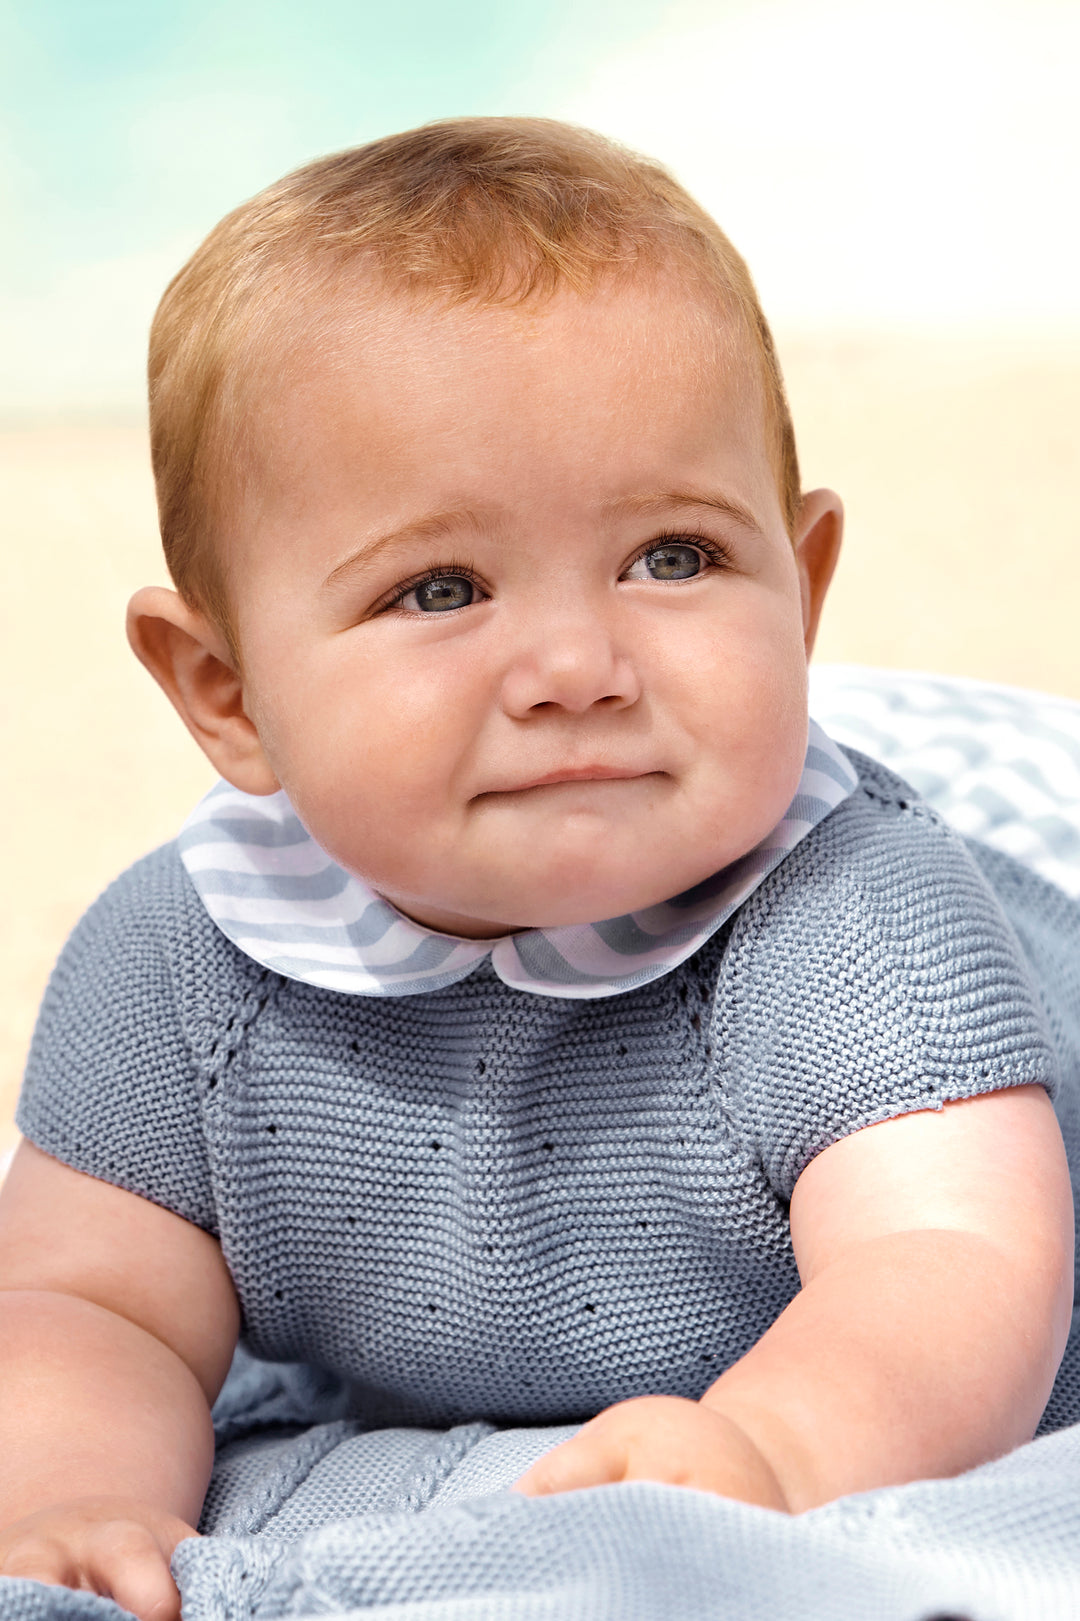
x=412 y=1526
x=480 y=1204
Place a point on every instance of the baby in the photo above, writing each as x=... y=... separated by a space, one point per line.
x=544 y=1021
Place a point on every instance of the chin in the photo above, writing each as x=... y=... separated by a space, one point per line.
x=588 y=904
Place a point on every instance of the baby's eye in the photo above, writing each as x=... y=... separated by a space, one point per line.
x=671 y=561
x=440 y=594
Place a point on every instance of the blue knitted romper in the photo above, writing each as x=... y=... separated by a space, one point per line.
x=483 y=1203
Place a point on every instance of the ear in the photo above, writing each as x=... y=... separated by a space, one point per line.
x=191 y=662
x=817 y=547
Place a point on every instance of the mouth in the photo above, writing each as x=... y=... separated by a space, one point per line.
x=583 y=773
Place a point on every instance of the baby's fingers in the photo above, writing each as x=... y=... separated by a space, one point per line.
x=593 y=1457
x=125 y=1562
x=665 y=1438
x=644 y=1438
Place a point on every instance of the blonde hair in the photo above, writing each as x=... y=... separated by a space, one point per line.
x=495 y=210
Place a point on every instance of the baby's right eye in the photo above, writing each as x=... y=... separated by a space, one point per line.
x=439 y=594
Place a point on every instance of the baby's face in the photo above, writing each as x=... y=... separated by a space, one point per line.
x=523 y=632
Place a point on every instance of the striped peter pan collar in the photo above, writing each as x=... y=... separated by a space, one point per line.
x=281 y=899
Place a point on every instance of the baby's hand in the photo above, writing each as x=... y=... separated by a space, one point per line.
x=114 y=1546
x=664 y=1438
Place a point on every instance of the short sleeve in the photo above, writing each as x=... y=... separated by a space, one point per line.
x=111 y=1082
x=874 y=974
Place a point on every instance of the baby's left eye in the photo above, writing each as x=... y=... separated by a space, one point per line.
x=671 y=561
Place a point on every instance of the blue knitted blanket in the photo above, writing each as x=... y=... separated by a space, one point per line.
x=309 y=1514
x=417 y=1525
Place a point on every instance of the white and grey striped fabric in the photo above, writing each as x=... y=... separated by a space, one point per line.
x=279 y=897
x=1001 y=764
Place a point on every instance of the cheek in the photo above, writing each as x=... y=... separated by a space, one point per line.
x=744 y=668
x=364 y=742
x=743 y=698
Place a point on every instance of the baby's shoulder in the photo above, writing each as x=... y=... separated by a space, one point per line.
x=885 y=854
x=147 y=943
x=153 y=895
x=881 y=873
x=142 y=1013
x=901 y=862
x=875 y=972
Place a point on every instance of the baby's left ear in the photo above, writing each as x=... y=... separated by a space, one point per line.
x=817 y=538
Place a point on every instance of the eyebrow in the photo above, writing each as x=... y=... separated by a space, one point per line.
x=438 y=526
x=656 y=502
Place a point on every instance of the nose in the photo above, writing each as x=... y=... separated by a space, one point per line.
x=571 y=664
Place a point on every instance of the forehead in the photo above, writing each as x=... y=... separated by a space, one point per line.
x=357 y=325
x=643 y=369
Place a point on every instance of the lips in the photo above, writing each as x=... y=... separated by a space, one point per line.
x=584 y=773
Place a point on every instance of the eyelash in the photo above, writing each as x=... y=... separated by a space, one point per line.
x=438 y=572
x=713 y=550
x=715 y=553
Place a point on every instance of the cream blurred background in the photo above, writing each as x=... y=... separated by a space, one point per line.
x=901 y=178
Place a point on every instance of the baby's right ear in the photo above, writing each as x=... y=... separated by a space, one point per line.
x=191 y=661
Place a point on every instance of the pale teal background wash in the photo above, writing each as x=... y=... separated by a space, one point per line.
x=881 y=163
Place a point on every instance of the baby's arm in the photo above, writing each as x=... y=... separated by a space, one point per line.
x=935 y=1252
x=118 y=1321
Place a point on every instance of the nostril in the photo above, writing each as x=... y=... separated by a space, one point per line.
x=569 y=665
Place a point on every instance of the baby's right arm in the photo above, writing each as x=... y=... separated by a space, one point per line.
x=118 y=1321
